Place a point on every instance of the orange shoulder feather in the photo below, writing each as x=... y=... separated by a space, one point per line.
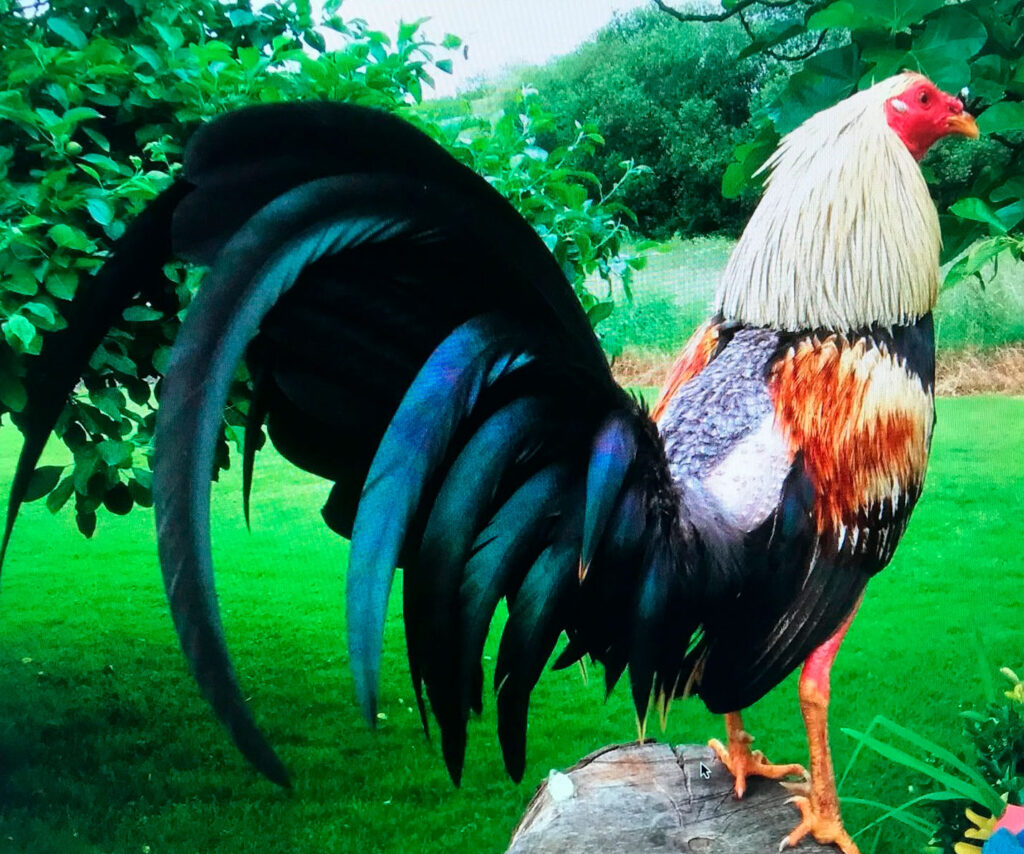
x=861 y=420
x=696 y=356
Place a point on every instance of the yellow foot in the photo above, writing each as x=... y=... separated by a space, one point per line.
x=825 y=829
x=743 y=763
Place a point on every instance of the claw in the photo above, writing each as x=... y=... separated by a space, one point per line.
x=802 y=788
x=824 y=828
x=743 y=763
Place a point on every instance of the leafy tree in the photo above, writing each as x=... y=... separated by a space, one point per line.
x=586 y=235
x=673 y=98
x=975 y=43
x=96 y=103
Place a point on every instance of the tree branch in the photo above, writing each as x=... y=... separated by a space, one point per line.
x=710 y=18
x=739 y=9
x=782 y=57
x=807 y=54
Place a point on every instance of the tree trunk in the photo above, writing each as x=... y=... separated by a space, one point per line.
x=653 y=799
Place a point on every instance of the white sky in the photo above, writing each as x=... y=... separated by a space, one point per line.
x=499 y=33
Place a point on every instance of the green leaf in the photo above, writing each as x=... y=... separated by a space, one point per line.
x=40 y=310
x=315 y=40
x=100 y=210
x=141 y=495
x=841 y=14
x=975 y=260
x=109 y=401
x=19 y=328
x=86 y=461
x=734 y=179
x=118 y=500
x=105 y=163
x=139 y=391
x=68 y=31
x=952 y=36
x=978 y=210
x=148 y=55
x=12 y=391
x=570 y=195
x=1011 y=215
x=162 y=359
x=79 y=114
x=69 y=237
x=825 y=79
x=141 y=313
x=86 y=523
x=241 y=18
x=600 y=311
x=907 y=12
x=62 y=284
x=445 y=65
x=891 y=15
x=1012 y=188
x=1004 y=117
x=19 y=280
x=450 y=41
x=43 y=480
x=250 y=58
x=92 y=173
x=58 y=93
x=407 y=29
x=115 y=453
x=59 y=496
x=747 y=160
x=171 y=36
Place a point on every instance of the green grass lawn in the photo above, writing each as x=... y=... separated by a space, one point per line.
x=106 y=747
x=673 y=294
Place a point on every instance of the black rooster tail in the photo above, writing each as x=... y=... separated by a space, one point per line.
x=413 y=341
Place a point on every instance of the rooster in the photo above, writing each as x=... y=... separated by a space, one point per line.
x=411 y=340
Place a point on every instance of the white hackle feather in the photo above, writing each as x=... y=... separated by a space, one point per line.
x=846 y=234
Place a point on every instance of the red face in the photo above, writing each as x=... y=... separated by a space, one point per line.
x=923 y=114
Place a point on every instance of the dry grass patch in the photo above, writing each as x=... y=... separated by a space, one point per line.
x=996 y=371
x=999 y=370
x=641 y=369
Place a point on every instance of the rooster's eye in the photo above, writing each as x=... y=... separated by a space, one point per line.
x=923 y=98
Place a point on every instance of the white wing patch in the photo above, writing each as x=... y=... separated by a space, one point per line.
x=747 y=484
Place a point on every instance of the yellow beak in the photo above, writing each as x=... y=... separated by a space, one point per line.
x=964 y=124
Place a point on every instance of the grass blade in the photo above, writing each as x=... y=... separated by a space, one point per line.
x=903 y=808
x=972 y=793
x=947 y=757
x=912 y=821
x=856 y=753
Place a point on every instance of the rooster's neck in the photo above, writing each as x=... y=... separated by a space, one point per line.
x=846 y=234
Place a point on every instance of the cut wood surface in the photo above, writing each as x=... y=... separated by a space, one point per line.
x=652 y=798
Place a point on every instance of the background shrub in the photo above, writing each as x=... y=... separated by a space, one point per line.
x=96 y=103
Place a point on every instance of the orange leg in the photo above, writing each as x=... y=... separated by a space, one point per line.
x=742 y=762
x=819 y=808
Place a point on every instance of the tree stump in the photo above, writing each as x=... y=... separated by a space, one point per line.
x=651 y=799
